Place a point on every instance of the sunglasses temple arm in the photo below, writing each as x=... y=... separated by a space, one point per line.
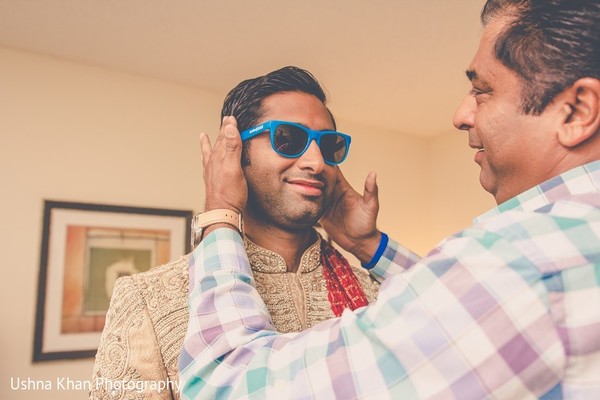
x=250 y=133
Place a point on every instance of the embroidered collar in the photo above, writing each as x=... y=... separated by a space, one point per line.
x=269 y=262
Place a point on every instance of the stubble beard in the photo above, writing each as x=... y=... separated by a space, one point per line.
x=285 y=213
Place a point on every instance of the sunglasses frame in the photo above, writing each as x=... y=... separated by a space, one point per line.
x=272 y=125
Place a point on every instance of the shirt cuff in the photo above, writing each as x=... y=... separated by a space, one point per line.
x=221 y=249
x=382 y=245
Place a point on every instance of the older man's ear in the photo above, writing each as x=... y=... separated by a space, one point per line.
x=580 y=112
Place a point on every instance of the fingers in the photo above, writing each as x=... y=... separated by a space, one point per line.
x=205 y=148
x=224 y=180
x=341 y=185
x=230 y=135
x=370 y=192
x=228 y=140
x=233 y=140
x=229 y=120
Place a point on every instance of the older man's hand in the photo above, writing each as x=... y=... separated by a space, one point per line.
x=351 y=221
x=224 y=180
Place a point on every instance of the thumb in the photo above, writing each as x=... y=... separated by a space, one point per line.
x=371 y=191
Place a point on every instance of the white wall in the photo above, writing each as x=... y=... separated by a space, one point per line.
x=80 y=133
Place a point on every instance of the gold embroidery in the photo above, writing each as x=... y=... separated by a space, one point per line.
x=148 y=317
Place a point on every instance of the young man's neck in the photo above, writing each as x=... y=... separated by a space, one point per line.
x=289 y=245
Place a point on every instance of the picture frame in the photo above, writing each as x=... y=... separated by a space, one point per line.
x=85 y=248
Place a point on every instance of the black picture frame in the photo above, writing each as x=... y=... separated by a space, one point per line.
x=84 y=248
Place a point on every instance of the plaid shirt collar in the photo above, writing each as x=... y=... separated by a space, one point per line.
x=579 y=180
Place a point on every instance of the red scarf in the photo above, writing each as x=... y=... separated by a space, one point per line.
x=344 y=290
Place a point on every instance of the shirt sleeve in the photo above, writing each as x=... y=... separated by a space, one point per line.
x=394 y=260
x=450 y=325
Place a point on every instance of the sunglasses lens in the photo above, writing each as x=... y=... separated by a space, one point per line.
x=289 y=140
x=333 y=147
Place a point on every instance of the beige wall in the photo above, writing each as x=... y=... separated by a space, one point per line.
x=80 y=133
x=453 y=195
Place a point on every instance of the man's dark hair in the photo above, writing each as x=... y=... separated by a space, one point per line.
x=550 y=44
x=244 y=101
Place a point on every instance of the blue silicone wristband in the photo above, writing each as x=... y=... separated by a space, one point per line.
x=382 y=245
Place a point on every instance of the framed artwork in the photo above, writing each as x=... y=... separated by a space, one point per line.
x=85 y=249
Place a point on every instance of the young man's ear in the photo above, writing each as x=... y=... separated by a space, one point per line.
x=580 y=112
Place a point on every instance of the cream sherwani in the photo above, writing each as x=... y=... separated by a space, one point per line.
x=148 y=316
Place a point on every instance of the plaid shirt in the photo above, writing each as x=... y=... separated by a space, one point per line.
x=508 y=309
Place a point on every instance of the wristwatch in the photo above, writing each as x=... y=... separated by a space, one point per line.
x=218 y=216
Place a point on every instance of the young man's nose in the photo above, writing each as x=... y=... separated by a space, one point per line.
x=312 y=158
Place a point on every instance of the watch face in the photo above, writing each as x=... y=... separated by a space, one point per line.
x=196 y=237
x=196 y=232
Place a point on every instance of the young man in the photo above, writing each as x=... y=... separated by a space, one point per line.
x=508 y=308
x=302 y=279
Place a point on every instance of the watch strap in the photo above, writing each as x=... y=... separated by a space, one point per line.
x=217 y=216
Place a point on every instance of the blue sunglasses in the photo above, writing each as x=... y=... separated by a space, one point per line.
x=291 y=140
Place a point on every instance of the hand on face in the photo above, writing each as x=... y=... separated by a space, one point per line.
x=351 y=221
x=224 y=180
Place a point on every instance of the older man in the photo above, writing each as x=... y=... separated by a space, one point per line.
x=508 y=308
